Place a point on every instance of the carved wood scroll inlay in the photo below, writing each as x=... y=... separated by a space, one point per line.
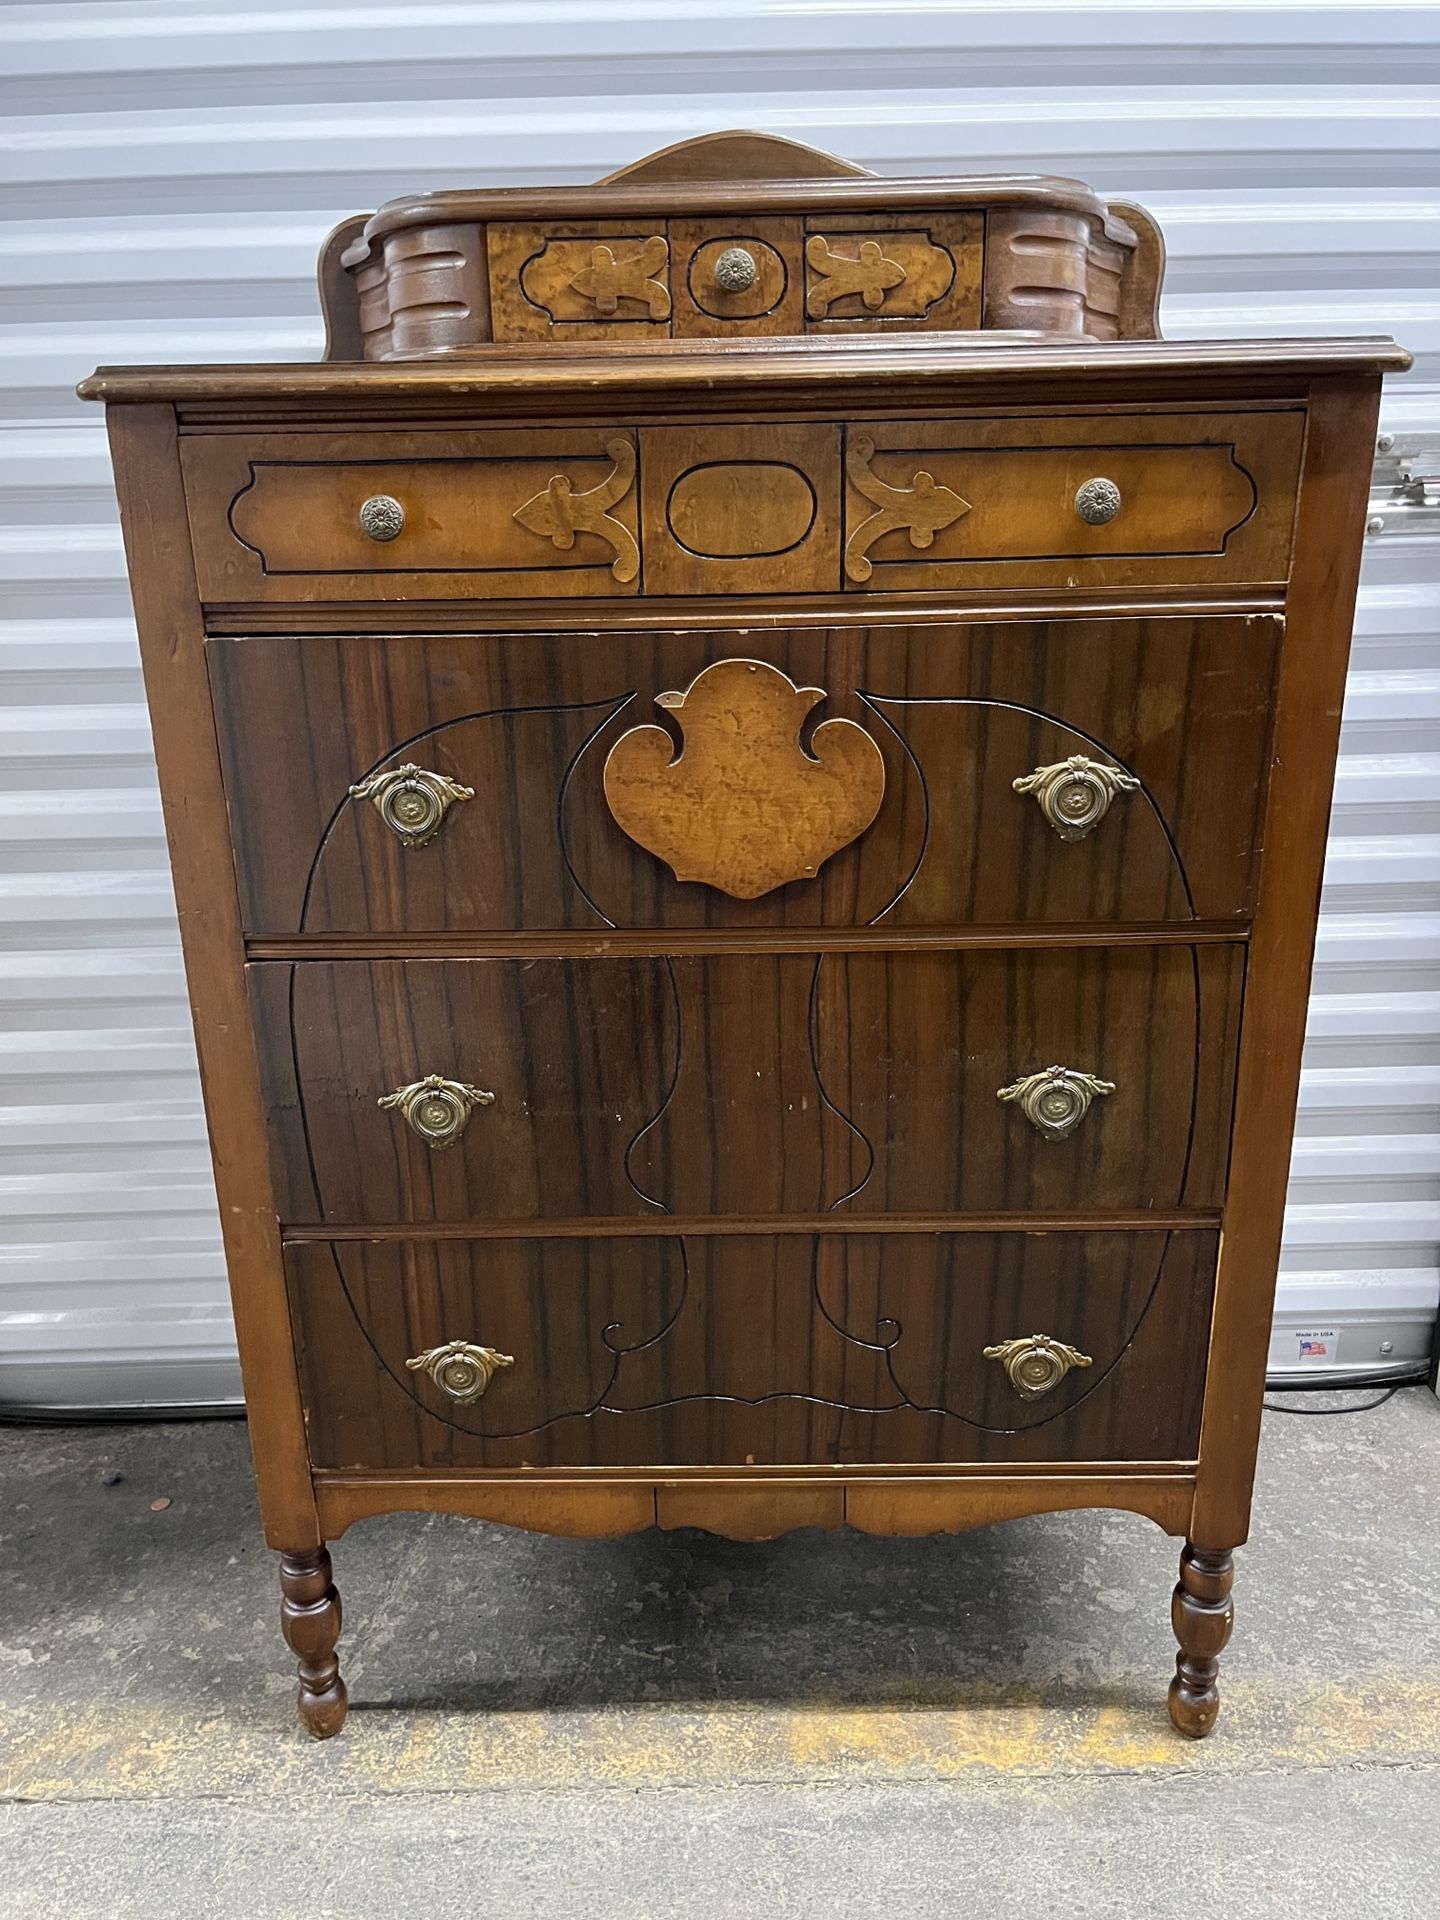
x=923 y=509
x=559 y=513
x=871 y=274
x=608 y=280
x=744 y=807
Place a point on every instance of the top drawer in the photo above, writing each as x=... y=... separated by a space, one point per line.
x=796 y=508
x=717 y=278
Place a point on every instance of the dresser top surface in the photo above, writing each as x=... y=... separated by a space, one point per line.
x=747 y=370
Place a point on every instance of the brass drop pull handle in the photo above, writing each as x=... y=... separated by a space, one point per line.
x=1037 y=1363
x=1075 y=794
x=1097 y=502
x=435 y=1108
x=412 y=801
x=382 y=517
x=1055 y=1100
x=735 y=270
x=459 y=1369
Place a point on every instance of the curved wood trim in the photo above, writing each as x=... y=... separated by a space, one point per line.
x=738 y=154
x=1144 y=275
x=758 y=1508
x=339 y=297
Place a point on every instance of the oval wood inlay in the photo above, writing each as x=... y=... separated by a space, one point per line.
x=741 y=508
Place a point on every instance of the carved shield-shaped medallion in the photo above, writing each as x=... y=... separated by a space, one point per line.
x=743 y=806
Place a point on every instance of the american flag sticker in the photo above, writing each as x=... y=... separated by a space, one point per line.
x=1317 y=1346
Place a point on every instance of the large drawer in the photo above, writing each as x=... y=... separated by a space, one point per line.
x=749 y=1085
x=789 y=508
x=1173 y=713
x=829 y=1349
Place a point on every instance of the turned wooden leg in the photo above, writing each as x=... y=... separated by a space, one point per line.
x=310 y=1620
x=1202 y=1614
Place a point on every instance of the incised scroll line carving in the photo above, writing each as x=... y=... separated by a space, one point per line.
x=744 y=807
x=871 y=275
x=559 y=513
x=922 y=509
x=607 y=281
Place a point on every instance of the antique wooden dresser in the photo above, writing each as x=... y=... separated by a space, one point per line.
x=747 y=766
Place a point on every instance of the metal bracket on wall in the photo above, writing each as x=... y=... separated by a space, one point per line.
x=1405 y=485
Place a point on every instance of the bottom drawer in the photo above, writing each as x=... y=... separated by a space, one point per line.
x=737 y=1350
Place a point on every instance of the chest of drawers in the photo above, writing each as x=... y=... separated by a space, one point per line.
x=747 y=765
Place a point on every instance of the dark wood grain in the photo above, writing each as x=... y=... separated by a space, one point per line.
x=736 y=1352
x=1203 y=1615
x=1309 y=698
x=745 y=1085
x=167 y=614
x=958 y=709
x=310 y=1621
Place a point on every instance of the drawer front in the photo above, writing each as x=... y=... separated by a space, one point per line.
x=953 y=716
x=749 y=1085
x=717 y=278
x=795 y=508
x=379 y=517
x=836 y=1349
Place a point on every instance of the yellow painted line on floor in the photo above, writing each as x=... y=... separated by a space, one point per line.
x=157 y=1750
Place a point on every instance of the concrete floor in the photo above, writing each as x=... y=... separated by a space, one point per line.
x=670 y=1724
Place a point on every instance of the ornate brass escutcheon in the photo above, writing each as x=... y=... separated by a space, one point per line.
x=922 y=509
x=1056 y=1100
x=459 y=1369
x=1037 y=1363
x=871 y=275
x=559 y=513
x=1075 y=794
x=608 y=280
x=412 y=801
x=436 y=1108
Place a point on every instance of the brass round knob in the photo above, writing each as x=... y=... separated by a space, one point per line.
x=382 y=517
x=735 y=270
x=1097 y=502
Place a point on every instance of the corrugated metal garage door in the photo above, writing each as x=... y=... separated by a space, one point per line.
x=169 y=174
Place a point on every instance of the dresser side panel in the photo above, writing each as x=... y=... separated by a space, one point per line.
x=167 y=611
x=1334 y=488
